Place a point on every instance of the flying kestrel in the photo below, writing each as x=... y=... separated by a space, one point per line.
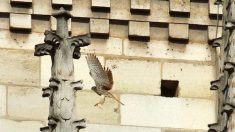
x=102 y=77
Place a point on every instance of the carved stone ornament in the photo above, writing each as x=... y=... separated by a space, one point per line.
x=224 y=84
x=63 y=49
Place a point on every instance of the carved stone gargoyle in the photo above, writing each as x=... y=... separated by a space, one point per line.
x=63 y=49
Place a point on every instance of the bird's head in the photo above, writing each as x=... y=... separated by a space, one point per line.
x=93 y=88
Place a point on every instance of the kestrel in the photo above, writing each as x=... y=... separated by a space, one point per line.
x=102 y=77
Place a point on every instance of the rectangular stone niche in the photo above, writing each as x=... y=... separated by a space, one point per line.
x=169 y=88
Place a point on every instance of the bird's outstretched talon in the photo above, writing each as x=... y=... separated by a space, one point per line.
x=98 y=105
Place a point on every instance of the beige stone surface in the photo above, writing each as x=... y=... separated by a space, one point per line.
x=3 y=96
x=85 y=108
x=19 y=67
x=40 y=25
x=20 y=21
x=118 y=128
x=99 y=26
x=54 y=24
x=42 y=7
x=141 y=4
x=135 y=76
x=139 y=29
x=213 y=9
x=62 y=2
x=212 y=32
x=5 y=6
x=194 y=79
x=159 y=33
x=119 y=30
x=81 y=71
x=120 y=10
x=198 y=35
x=179 y=31
x=183 y=130
x=13 y=40
x=111 y=46
x=82 y=8
x=164 y=50
x=155 y=111
x=21 y=1
x=100 y=3
x=19 y=126
x=80 y=27
x=4 y=22
x=26 y=103
x=180 y=6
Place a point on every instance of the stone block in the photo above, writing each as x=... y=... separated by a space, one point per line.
x=42 y=7
x=139 y=30
x=3 y=96
x=111 y=46
x=100 y=5
x=20 y=21
x=99 y=27
x=20 y=126
x=85 y=108
x=188 y=74
x=81 y=71
x=15 y=40
x=214 y=9
x=24 y=102
x=180 y=7
x=120 y=10
x=19 y=67
x=54 y=24
x=63 y=2
x=5 y=6
x=155 y=111
x=118 y=128
x=140 y=6
x=22 y=2
x=179 y=32
x=135 y=76
x=212 y=32
x=163 y=50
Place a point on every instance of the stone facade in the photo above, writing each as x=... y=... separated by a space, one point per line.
x=141 y=41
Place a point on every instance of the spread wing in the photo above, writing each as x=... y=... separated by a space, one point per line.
x=102 y=76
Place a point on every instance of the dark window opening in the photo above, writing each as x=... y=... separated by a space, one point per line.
x=169 y=88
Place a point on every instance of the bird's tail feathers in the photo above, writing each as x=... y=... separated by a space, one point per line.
x=112 y=96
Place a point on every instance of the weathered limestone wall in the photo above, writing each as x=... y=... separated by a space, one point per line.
x=141 y=41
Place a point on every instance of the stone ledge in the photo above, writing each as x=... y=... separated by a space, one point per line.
x=155 y=111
